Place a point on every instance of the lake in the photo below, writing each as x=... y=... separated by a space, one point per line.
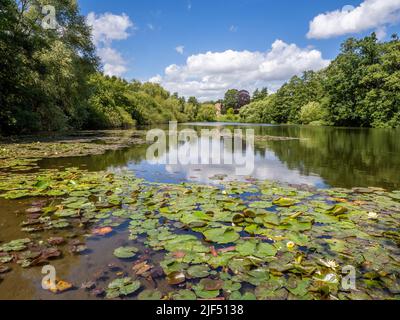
x=317 y=157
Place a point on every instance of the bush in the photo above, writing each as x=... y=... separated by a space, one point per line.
x=207 y=113
x=312 y=113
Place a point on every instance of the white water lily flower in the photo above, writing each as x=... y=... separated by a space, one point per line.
x=331 y=278
x=331 y=264
x=372 y=215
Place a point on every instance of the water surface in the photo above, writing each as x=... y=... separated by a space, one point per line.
x=317 y=156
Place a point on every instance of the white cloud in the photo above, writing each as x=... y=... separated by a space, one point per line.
x=114 y=64
x=150 y=26
x=233 y=28
x=107 y=28
x=370 y=14
x=156 y=79
x=209 y=75
x=381 y=33
x=180 y=49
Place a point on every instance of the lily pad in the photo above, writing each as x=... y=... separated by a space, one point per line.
x=222 y=235
x=15 y=245
x=284 y=202
x=199 y=271
x=187 y=295
x=211 y=284
x=125 y=252
x=150 y=295
x=122 y=287
x=175 y=278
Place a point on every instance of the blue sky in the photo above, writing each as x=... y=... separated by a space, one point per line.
x=157 y=34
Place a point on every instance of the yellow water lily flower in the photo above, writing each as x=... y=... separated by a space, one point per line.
x=290 y=245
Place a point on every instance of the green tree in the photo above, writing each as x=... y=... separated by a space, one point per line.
x=260 y=94
x=362 y=84
x=231 y=100
x=260 y=111
x=44 y=79
x=312 y=113
x=207 y=113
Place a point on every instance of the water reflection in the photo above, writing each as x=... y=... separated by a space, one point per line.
x=337 y=157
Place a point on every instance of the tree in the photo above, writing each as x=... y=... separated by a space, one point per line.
x=260 y=94
x=312 y=112
x=362 y=84
x=243 y=99
x=44 y=71
x=193 y=101
x=260 y=111
x=231 y=100
x=207 y=113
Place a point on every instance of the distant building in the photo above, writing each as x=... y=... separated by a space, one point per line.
x=218 y=108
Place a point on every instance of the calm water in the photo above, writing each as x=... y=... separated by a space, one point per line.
x=322 y=157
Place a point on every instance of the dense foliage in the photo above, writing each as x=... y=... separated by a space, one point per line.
x=50 y=78
x=235 y=99
x=361 y=87
x=115 y=103
x=43 y=72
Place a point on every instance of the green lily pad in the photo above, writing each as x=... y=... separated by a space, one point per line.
x=187 y=295
x=150 y=295
x=337 y=210
x=265 y=250
x=211 y=284
x=222 y=235
x=125 y=252
x=122 y=287
x=257 y=249
x=231 y=286
x=301 y=289
x=15 y=245
x=200 y=271
x=237 y=296
x=205 y=294
x=284 y=202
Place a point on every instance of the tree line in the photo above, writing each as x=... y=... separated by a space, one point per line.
x=360 y=88
x=51 y=79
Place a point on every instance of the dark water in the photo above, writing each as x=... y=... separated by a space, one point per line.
x=321 y=156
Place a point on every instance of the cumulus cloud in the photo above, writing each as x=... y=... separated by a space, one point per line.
x=113 y=62
x=156 y=79
x=208 y=75
x=107 y=28
x=369 y=15
x=180 y=49
x=233 y=28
